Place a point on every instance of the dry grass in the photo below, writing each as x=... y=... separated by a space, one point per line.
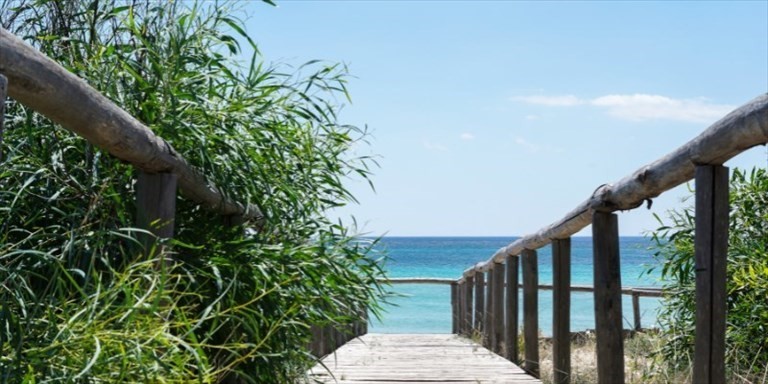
x=641 y=364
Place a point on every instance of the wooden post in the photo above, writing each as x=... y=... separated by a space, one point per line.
x=479 y=302
x=156 y=207
x=322 y=343
x=607 y=281
x=488 y=331
x=498 y=307
x=461 y=286
x=636 y=310
x=316 y=341
x=531 y=311
x=454 y=308
x=3 y=94
x=470 y=285
x=512 y=309
x=711 y=251
x=561 y=303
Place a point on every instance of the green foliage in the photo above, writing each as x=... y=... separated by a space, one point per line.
x=79 y=302
x=747 y=270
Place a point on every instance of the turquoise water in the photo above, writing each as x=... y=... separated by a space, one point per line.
x=426 y=308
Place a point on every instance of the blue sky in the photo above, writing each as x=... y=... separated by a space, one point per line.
x=497 y=118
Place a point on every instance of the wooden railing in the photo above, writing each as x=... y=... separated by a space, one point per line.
x=327 y=338
x=457 y=306
x=493 y=310
x=43 y=85
x=36 y=81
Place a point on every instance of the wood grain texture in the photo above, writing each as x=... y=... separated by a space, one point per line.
x=488 y=319
x=468 y=306
x=479 y=325
x=636 y=311
x=461 y=287
x=498 y=309
x=531 y=311
x=43 y=85
x=155 y=208
x=454 y=308
x=512 y=308
x=608 y=318
x=416 y=358
x=710 y=248
x=561 y=314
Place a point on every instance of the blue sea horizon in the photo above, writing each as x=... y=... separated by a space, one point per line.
x=426 y=308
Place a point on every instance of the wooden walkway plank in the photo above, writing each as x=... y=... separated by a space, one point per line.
x=416 y=358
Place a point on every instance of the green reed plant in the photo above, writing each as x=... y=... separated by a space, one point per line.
x=747 y=287
x=79 y=301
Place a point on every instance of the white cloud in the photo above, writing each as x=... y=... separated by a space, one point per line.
x=640 y=107
x=533 y=148
x=430 y=146
x=467 y=136
x=550 y=101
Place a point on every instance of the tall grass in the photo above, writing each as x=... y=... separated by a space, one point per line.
x=79 y=301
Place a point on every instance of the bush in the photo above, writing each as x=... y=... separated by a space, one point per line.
x=79 y=301
x=747 y=271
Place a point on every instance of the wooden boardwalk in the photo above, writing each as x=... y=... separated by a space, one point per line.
x=416 y=358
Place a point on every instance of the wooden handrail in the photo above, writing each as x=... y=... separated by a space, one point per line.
x=417 y=280
x=701 y=157
x=48 y=88
x=744 y=128
x=639 y=291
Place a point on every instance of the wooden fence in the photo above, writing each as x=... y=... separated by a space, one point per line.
x=457 y=305
x=700 y=159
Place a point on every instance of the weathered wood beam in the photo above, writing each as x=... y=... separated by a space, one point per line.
x=711 y=250
x=417 y=280
x=561 y=304
x=512 y=308
x=744 y=128
x=454 y=308
x=43 y=85
x=155 y=208
x=461 y=301
x=531 y=311
x=479 y=303
x=498 y=308
x=487 y=318
x=636 y=311
x=468 y=307
x=607 y=280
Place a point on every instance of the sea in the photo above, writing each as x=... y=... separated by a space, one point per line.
x=421 y=308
